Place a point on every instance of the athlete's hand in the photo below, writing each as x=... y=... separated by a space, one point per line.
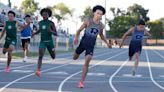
x=109 y=45
x=76 y=41
x=120 y=45
x=33 y=34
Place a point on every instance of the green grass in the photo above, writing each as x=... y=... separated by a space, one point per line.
x=18 y=55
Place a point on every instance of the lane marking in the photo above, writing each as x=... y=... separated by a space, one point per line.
x=150 y=71
x=114 y=74
x=65 y=80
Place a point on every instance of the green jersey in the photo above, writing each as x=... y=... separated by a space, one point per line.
x=43 y=27
x=11 y=30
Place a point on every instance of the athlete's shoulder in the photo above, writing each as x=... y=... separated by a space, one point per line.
x=132 y=29
x=51 y=22
x=40 y=21
x=102 y=25
x=87 y=20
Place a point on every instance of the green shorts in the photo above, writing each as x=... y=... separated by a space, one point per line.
x=47 y=44
x=9 y=42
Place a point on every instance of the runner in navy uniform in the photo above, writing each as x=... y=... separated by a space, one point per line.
x=135 y=46
x=93 y=26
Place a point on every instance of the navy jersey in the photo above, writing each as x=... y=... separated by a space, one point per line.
x=91 y=32
x=137 y=36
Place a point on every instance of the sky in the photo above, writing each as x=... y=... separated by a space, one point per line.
x=154 y=6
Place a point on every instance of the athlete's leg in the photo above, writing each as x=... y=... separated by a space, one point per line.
x=25 y=45
x=75 y=56
x=5 y=47
x=88 y=57
x=9 y=58
x=85 y=67
x=51 y=50
x=10 y=49
x=77 y=52
x=41 y=54
x=4 y=50
x=85 y=70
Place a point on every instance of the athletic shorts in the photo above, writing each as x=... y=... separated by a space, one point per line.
x=9 y=42
x=49 y=45
x=89 y=50
x=25 y=41
x=135 y=47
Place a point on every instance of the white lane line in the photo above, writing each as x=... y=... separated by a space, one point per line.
x=158 y=54
x=150 y=72
x=114 y=74
x=30 y=65
x=53 y=82
x=34 y=64
x=130 y=75
x=7 y=85
x=65 y=80
x=47 y=62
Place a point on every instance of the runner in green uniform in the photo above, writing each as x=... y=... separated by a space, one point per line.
x=46 y=28
x=10 y=29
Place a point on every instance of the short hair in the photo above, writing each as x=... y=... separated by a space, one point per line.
x=27 y=16
x=46 y=10
x=141 y=22
x=11 y=12
x=99 y=7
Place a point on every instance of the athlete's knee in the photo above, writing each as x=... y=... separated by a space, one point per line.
x=4 y=51
x=26 y=46
x=75 y=57
x=88 y=57
x=11 y=48
x=86 y=65
x=53 y=56
x=40 y=56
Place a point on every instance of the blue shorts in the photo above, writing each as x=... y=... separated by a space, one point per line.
x=135 y=47
x=84 y=47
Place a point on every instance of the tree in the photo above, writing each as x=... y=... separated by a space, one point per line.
x=156 y=29
x=86 y=13
x=29 y=6
x=60 y=12
x=117 y=11
x=138 y=11
x=120 y=24
x=123 y=20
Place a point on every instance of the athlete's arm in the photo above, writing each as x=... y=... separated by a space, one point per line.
x=3 y=32
x=84 y=25
x=52 y=29
x=147 y=33
x=22 y=26
x=125 y=35
x=103 y=38
x=37 y=32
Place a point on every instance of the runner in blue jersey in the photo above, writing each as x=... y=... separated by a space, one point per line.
x=93 y=26
x=26 y=36
x=135 y=46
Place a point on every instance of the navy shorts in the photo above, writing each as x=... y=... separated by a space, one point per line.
x=84 y=47
x=135 y=47
x=25 y=41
